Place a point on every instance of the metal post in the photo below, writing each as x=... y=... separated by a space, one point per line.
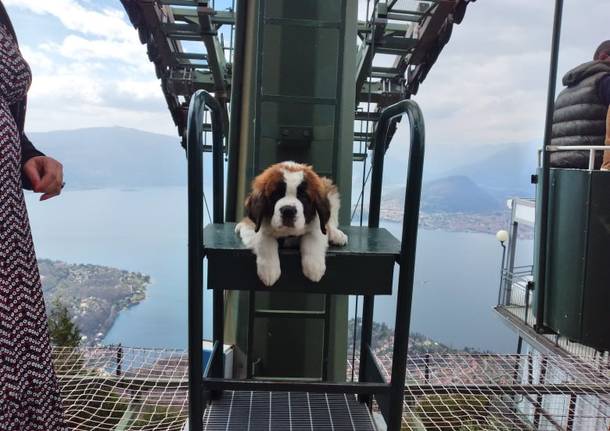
x=386 y=117
x=427 y=369
x=194 y=147
x=250 y=346
x=354 y=337
x=571 y=412
x=528 y=287
x=501 y=273
x=517 y=361
x=119 y=360
x=550 y=107
x=512 y=252
x=407 y=258
x=218 y=331
x=326 y=343
x=591 y=160
x=366 y=335
x=517 y=364
x=539 y=398
x=236 y=107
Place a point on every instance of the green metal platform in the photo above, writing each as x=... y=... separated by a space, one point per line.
x=576 y=296
x=365 y=266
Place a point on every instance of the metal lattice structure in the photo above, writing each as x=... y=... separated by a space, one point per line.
x=191 y=44
x=114 y=388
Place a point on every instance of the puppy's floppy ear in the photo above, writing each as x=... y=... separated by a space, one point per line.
x=256 y=205
x=322 y=206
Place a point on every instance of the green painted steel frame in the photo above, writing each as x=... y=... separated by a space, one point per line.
x=541 y=257
x=340 y=25
x=393 y=404
x=194 y=141
x=339 y=140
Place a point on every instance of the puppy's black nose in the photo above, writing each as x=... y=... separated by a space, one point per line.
x=288 y=212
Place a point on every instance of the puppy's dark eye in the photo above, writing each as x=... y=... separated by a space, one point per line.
x=279 y=192
x=302 y=190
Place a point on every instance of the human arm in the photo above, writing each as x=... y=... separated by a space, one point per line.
x=39 y=172
x=28 y=151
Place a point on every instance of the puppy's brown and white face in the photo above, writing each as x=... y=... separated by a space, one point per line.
x=287 y=197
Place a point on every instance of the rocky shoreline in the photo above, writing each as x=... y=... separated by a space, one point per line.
x=93 y=294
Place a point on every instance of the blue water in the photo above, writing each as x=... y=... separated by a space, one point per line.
x=144 y=230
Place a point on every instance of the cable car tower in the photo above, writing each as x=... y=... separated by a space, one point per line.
x=274 y=80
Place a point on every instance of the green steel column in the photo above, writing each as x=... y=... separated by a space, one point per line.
x=297 y=104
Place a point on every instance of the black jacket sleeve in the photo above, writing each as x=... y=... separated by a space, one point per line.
x=27 y=152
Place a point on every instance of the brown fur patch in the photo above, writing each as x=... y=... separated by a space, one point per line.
x=267 y=182
x=328 y=186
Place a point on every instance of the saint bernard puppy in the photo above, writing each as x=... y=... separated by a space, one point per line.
x=290 y=200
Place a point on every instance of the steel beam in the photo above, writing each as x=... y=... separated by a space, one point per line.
x=215 y=52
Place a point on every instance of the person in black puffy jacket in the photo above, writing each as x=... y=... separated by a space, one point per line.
x=581 y=110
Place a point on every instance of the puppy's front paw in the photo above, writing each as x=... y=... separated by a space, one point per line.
x=268 y=271
x=336 y=237
x=314 y=267
x=243 y=227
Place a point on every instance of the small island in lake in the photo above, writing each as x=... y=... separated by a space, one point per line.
x=93 y=294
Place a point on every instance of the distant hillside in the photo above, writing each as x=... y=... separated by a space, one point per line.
x=120 y=157
x=506 y=172
x=115 y=157
x=456 y=194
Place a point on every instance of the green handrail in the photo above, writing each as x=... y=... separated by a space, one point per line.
x=194 y=149
x=407 y=251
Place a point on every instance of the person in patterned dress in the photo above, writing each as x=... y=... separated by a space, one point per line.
x=29 y=392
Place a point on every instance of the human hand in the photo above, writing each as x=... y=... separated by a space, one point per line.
x=46 y=175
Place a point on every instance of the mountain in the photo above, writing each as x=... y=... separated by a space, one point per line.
x=506 y=172
x=115 y=157
x=120 y=157
x=503 y=170
x=455 y=194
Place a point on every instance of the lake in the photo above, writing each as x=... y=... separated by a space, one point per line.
x=456 y=281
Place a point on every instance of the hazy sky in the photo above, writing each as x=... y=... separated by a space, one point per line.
x=488 y=87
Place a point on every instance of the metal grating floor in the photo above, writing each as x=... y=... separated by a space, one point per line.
x=286 y=411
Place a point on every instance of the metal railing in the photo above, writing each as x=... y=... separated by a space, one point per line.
x=516 y=297
x=592 y=149
x=194 y=148
x=407 y=251
x=515 y=292
x=389 y=395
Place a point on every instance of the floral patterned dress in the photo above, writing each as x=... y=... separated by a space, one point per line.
x=29 y=394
